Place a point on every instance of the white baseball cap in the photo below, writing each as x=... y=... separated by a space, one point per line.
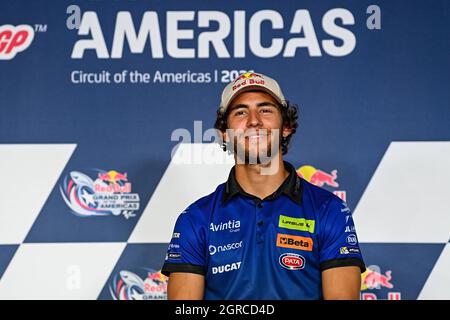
x=251 y=81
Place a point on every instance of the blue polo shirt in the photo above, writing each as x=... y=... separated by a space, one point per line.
x=272 y=248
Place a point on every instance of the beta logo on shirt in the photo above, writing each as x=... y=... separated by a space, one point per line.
x=294 y=242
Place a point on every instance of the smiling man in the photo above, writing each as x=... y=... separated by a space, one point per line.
x=265 y=233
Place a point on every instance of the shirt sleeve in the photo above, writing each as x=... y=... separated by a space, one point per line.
x=186 y=251
x=339 y=246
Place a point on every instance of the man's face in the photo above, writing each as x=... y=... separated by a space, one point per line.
x=256 y=124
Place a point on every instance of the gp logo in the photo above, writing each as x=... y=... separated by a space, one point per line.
x=14 y=40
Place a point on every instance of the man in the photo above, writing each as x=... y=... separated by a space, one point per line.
x=266 y=233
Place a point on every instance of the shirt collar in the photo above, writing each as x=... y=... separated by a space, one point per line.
x=291 y=186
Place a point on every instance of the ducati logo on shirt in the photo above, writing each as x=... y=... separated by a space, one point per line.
x=294 y=242
x=226 y=268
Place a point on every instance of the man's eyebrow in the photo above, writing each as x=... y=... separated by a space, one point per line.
x=266 y=103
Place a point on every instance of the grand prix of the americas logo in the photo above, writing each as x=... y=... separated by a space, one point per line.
x=14 y=40
x=108 y=195
x=129 y=286
x=321 y=178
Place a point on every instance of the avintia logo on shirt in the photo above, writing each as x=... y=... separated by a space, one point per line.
x=226 y=268
x=231 y=225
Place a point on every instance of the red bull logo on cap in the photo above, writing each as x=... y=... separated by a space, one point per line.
x=248 y=79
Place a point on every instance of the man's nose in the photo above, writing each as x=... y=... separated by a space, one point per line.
x=253 y=119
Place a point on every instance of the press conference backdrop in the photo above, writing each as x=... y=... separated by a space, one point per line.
x=105 y=108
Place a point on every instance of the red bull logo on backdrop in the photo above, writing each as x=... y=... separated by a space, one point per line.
x=373 y=279
x=108 y=195
x=14 y=40
x=129 y=286
x=321 y=178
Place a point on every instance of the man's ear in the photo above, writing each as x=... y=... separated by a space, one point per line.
x=286 y=131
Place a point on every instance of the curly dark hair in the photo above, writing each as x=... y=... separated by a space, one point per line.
x=289 y=114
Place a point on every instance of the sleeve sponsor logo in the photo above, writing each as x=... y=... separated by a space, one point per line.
x=300 y=224
x=176 y=235
x=174 y=255
x=292 y=261
x=294 y=242
x=348 y=250
x=350 y=229
x=351 y=239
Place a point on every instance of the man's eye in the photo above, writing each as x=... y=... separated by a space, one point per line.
x=266 y=111
x=239 y=113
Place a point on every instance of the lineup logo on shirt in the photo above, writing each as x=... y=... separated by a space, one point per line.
x=299 y=224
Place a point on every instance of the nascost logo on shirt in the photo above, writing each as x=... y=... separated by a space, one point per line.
x=294 y=242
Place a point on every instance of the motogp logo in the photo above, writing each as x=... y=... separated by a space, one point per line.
x=14 y=40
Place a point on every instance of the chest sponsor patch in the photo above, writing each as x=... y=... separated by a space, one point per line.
x=300 y=224
x=292 y=261
x=294 y=242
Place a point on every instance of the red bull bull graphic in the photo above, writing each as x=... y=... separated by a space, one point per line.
x=246 y=75
x=373 y=279
x=321 y=178
x=108 y=195
x=129 y=286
